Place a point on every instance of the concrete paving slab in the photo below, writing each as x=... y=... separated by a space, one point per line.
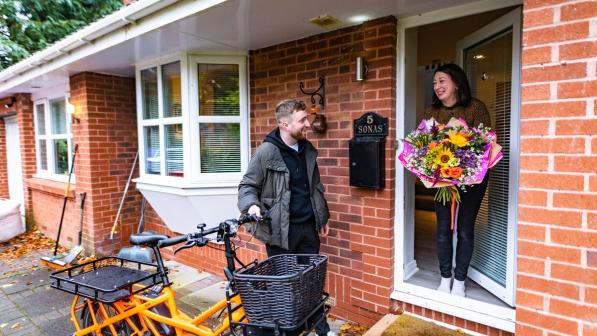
x=25 y=281
x=44 y=301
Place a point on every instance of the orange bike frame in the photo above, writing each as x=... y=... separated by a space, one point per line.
x=140 y=305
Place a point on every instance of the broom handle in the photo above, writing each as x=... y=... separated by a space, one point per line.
x=83 y=195
x=126 y=188
x=66 y=192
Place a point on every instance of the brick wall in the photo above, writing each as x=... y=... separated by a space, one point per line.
x=557 y=249
x=107 y=139
x=360 y=244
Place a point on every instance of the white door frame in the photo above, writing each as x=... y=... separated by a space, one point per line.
x=512 y=19
x=472 y=310
x=14 y=164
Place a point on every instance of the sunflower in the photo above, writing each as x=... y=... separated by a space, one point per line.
x=443 y=157
x=459 y=139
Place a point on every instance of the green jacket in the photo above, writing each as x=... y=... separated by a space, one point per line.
x=267 y=184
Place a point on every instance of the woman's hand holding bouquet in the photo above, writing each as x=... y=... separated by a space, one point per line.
x=450 y=156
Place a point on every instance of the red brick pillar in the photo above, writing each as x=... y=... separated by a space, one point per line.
x=24 y=108
x=107 y=137
x=557 y=230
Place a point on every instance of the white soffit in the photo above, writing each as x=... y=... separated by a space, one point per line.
x=201 y=25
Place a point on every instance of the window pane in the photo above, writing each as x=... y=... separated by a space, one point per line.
x=41 y=119
x=219 y=93
x=220 y=148
x=171 y=89
x=149 y=91
x=58 y=115
x=61 y=156
x=174 y=155
x=152 y=150
x=43 y=155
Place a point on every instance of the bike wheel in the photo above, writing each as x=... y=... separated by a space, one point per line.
x=122 y=327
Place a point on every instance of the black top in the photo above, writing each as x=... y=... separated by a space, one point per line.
x=301 y=211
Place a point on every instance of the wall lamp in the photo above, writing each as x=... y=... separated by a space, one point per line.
x=12 y=101
x=361 y=69
x=318 y=123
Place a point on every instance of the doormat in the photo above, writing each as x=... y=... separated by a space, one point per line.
x=406 y=325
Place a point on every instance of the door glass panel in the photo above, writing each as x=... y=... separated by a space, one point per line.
x=219 y=90
x=489 y=69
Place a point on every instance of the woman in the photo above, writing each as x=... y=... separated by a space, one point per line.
x=452 y=98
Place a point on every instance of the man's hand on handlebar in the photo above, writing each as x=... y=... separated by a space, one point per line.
x=255 y=210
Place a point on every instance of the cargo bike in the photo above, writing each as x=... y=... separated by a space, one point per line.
x=282 y=295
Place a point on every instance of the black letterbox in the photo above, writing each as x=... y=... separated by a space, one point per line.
x=366 y=151
x=367 y=157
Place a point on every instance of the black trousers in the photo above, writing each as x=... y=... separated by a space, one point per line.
x=302 y=239
x=470 y=202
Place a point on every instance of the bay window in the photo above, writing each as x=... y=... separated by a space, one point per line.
x=52 y=138
x=192 y=119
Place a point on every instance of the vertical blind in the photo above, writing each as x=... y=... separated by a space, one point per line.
x=491 y=228
x=219 y=96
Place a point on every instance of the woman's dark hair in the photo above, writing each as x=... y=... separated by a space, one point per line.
x=459 y=78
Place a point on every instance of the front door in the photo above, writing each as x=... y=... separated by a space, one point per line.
x=488 y=57
x=13 y=160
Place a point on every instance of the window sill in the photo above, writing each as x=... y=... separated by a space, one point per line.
x=49 y=186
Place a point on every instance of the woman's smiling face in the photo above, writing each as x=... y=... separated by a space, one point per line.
x=445 y=89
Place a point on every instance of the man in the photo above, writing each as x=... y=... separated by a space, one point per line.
x=283 y=179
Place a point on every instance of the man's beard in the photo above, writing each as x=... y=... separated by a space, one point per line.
x=298 y=135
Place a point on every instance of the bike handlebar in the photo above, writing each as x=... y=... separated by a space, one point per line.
x=227 y=228
x=173 y=241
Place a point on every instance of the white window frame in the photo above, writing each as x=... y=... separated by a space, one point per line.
x=49 y=137
x=190 y=122
x=196 y=120
x=161 y=121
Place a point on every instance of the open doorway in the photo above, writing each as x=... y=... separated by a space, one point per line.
x=487 y=59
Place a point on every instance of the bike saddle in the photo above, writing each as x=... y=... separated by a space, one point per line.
x=146 y=238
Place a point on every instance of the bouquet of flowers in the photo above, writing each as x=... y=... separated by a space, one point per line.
x=450 y=156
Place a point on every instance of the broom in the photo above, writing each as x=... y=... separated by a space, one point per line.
x=74 y=253
x=54 y=260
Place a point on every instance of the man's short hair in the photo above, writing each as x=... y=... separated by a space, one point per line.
x=287 y=107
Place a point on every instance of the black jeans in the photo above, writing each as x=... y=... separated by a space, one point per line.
x=470 y=202
x=302 y=239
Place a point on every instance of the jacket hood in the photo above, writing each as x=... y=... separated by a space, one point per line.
x=274 y=138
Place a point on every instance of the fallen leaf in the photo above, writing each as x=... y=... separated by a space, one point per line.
x=3 y=325
x=16 y=325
